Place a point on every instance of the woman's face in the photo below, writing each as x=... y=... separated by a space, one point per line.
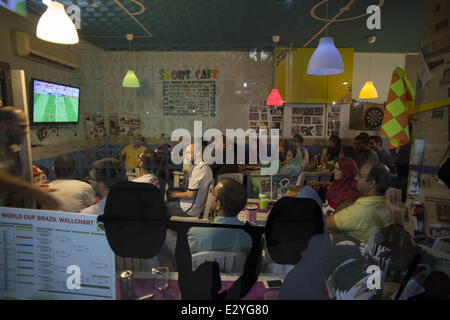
x=337 y=172
x=289 y=156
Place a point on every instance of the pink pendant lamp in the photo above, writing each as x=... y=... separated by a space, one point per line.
x=274 y=98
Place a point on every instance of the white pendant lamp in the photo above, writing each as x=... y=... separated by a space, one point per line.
x=326 y=59
x=130 y=80
x=56 y=26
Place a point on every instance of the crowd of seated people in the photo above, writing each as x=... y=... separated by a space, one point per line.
x=356 y=195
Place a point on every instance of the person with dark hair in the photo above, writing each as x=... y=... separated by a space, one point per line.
x=370 y=212
x=331 y=153
x=342 y=191
x=376 y=144
x=149 y=167
x=363 y=152
x=228 y=199
x=291 y=168
x=73 y=195
x=349 y=152
x=13 y=187
x=302 y=156
x=103 y=176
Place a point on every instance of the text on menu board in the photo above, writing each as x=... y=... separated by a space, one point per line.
x=189 y=98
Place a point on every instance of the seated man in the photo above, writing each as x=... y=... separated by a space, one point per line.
x=363 y=152
x=192 y=202
x=73 y=195
x=370 y=212
x=376 y=143
x=102 y=177
x=228 y=199
x=131 y=153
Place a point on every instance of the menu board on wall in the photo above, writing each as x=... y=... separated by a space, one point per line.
x=189 y=98
x=308 y=120
x=38 y=250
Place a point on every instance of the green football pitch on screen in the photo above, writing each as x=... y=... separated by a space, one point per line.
x=49 y=108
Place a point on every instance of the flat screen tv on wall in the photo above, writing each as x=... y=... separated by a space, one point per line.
x=54 y=102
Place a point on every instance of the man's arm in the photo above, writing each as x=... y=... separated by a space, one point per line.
x=188 y=195
x=10 y=183
x=330 y=224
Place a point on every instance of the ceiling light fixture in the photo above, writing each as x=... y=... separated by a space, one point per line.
x=55 y=25
x=274 y=98
x=326 y=59
x=130 y=80
x=369 y=91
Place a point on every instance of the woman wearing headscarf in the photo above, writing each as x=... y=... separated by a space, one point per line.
x=292 y=166
x=342 y=191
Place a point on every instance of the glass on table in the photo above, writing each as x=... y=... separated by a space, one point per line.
x=161 y=278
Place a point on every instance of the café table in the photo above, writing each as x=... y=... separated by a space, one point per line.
x=261 y=215
x=144 y=284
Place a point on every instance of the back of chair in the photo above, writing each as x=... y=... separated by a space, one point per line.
x=206 y=212
x=229 y=262
x=239 y=177
x=394 y=195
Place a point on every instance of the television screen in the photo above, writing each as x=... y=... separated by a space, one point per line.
x=55 y=103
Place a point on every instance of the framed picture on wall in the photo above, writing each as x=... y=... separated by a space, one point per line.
x=366 y=115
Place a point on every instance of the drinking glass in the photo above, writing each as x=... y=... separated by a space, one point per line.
x=161 y=278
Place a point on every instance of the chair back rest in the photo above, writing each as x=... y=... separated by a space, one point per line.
x=229 y=262
x=394 y=195
x=206 y=212
x=239 y=177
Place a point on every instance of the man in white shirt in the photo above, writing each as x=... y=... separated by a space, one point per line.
x=192 y=202
x=73 y=195
x=102 y=177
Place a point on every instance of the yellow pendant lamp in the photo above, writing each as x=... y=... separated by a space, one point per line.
x=369 y=91
x=130 y=80
x=55 y=25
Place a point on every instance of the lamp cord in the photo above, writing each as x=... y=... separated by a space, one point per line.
x=326 y=23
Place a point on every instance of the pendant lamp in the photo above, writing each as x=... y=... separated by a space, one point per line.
x=326 y=59
x=55 y=25
x=130 y=80
x=369 y=91
x=274 y=98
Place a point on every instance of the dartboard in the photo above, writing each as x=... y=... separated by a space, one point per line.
x=373 y=117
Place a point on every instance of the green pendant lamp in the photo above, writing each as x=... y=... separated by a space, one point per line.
x=130 y=80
